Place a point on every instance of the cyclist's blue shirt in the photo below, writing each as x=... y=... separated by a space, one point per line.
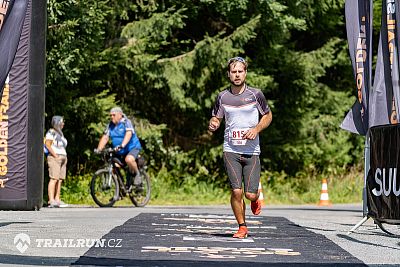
x=117 y=134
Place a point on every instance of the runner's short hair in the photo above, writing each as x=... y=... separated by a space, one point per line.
x=234 y=60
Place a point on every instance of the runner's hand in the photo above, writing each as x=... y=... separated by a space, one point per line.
x=250 y=134
x=96 y=151
x=213 y=125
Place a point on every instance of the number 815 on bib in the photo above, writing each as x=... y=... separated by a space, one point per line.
x=236 y=137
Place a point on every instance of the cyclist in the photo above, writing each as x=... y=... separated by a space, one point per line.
x=125 y=141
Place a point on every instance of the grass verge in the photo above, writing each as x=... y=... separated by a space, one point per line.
x=277 y=189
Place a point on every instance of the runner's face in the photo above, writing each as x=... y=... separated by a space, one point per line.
x=115 y=117
x=237 y=73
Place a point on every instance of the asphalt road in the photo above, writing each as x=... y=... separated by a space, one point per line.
x=193 y=236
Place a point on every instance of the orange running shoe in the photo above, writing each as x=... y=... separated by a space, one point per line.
x=241 y=233
x=256 y=207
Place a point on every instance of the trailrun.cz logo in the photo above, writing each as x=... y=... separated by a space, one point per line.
x=22 y=242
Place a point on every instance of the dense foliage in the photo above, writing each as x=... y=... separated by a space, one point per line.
x=164 y=63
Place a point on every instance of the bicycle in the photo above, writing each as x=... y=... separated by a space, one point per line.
x=107 y=184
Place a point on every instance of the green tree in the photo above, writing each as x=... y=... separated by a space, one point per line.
x=164 y=62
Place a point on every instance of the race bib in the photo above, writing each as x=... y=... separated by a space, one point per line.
x=236 y=136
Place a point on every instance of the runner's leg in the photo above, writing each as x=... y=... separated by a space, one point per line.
x=234 y=171
x=238 y=205
x=251 y=174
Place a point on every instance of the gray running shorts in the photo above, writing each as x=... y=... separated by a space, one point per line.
x=244 y=169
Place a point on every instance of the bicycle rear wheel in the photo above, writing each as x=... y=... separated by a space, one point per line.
x=104 y=188
x=141 y=196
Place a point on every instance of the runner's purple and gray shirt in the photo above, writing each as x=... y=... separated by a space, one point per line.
x=241 y=113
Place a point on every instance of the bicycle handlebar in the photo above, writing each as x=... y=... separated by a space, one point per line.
x=105 y=150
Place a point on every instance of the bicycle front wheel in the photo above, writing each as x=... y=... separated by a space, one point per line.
x=104 y=188
x=140 y=196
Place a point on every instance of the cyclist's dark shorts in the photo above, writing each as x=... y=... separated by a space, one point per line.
x=243 y=168
x=134 y=152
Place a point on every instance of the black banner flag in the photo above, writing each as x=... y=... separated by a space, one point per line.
x=383 y=181
x=359 y=35
x=384 y=104
x=5 y=7
x=379 y=106
x=390 y=47
x=22 y=66
x=11 y=27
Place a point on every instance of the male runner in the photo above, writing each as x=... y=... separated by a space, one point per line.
x=246 y=114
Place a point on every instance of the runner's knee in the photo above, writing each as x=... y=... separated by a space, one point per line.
x=251 y=196
x=237 y=193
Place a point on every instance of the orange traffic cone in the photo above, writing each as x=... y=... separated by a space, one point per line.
x=261 y=195
x=324 y=199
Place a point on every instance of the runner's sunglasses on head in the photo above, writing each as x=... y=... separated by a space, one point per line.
x=239 y=59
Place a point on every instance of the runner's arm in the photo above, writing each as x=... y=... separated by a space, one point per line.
x=262 y=124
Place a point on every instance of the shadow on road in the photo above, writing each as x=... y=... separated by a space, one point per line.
x=184 y=263
x=8 y=223
x=35 y=260
x=364 y=242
